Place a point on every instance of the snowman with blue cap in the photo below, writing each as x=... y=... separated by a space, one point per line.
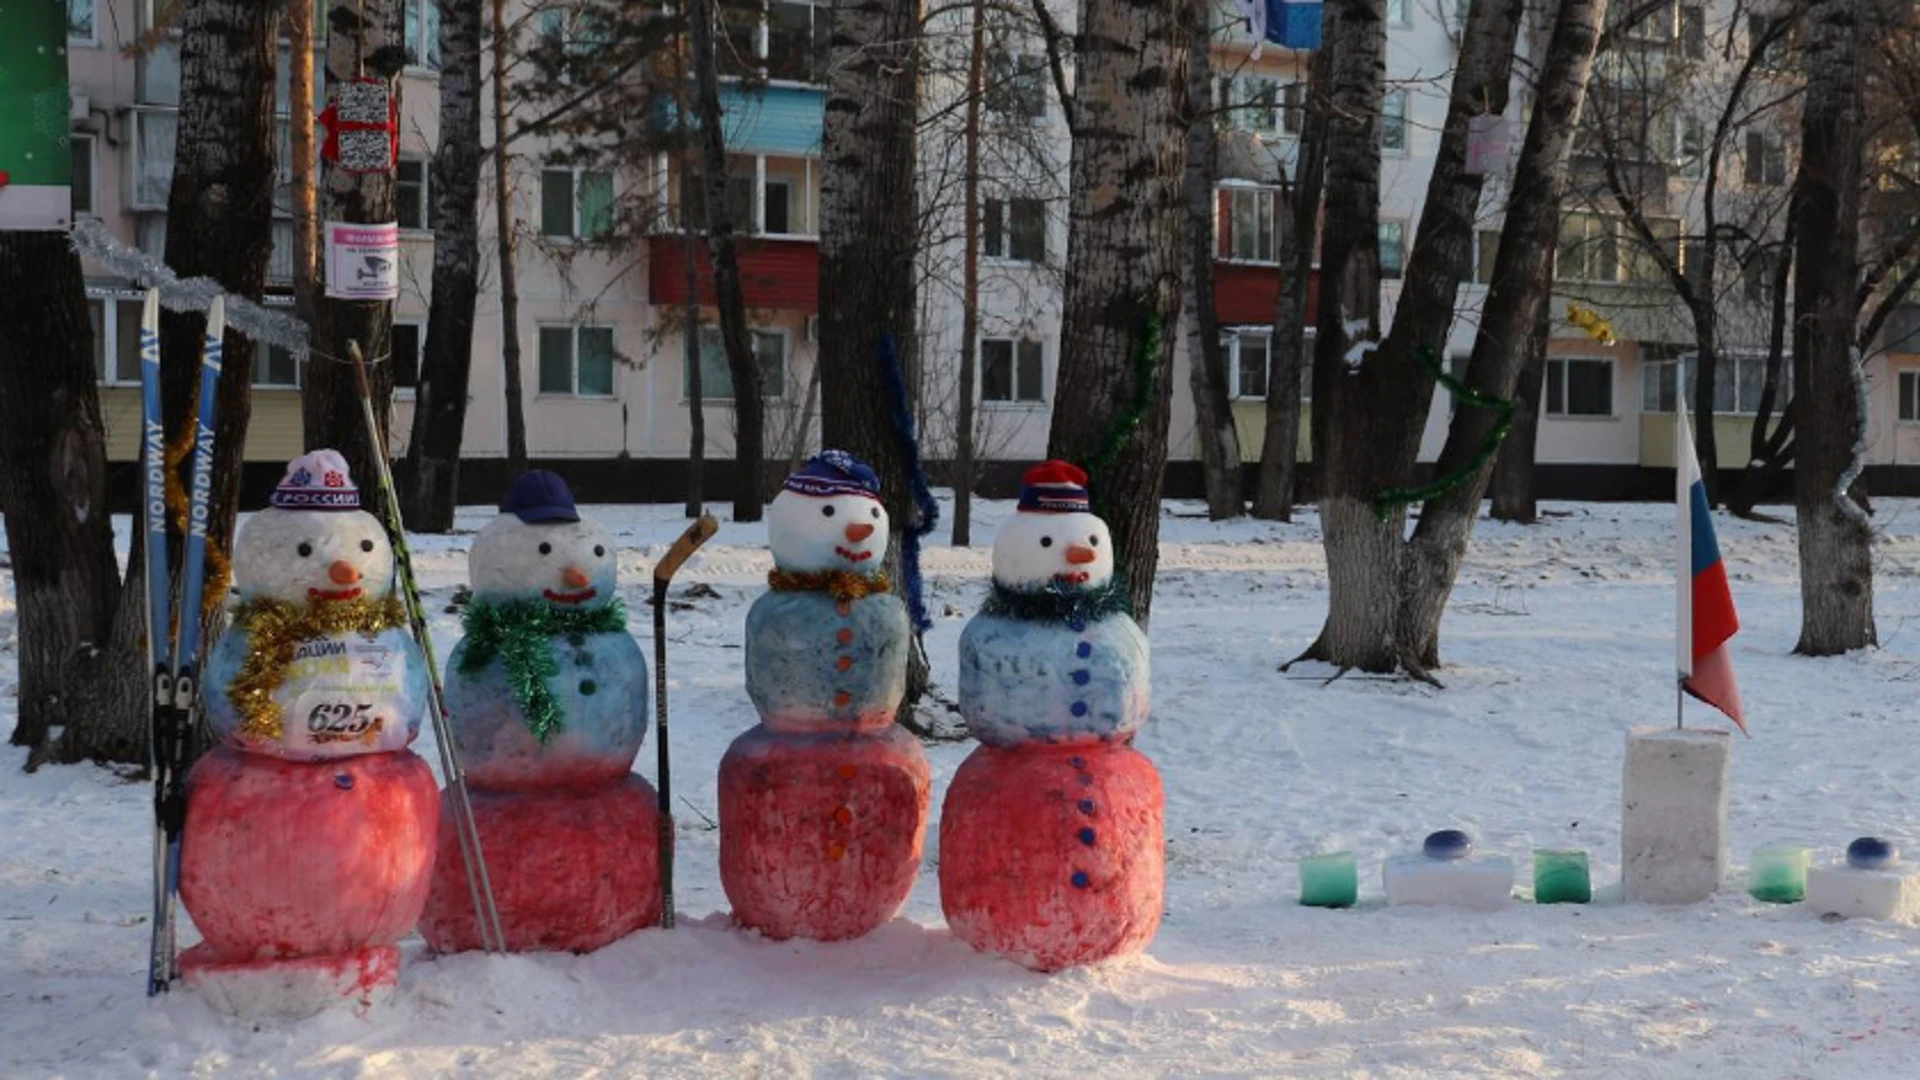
x=548 y=697
x=822 y=805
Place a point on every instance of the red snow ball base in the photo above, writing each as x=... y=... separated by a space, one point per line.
x=322 y=863
x=571 y=871
x=1053 y=856
x=820 y=835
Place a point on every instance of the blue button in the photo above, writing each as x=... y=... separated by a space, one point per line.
x=1086 y=806
x=1079 y=708
x=1077 y=624
x=1080 y=677
x=1084 y=650
x=587 y=687
x=1079 y=879
x=343 y=781
x=1077 y=762
x=1086 y=837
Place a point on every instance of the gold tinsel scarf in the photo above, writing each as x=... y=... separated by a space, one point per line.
x=274 y=628
x=839 y=584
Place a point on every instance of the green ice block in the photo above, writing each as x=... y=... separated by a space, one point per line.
x=1777 y=873
x=1560 y=876
x=1329 y=880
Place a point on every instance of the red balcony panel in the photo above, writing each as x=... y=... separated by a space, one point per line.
x=1244 y=293
x=774 y=273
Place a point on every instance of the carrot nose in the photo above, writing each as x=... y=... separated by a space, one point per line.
x=343 y=573
x=574 y=577
x=1080 y=556
x=857 y=533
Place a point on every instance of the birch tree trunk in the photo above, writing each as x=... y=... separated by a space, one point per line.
x=1213 y=428
x=1522 y=278
x=1112 y=396
x=749 y=410
x=66 y=582
x=1836 y=556
x=365 y=40
x=506 y=240
x=440 y=402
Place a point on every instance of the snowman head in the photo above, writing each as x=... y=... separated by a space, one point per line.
x=540 y=549
x=1054 y=539
x=313 y=542
x=828 y=517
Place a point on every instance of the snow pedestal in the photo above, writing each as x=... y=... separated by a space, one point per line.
x=1479 y=883
x=820 y=833
x=1870 y=884
x=1054 y=856
x=571 y=870
x=1673 y=833
x=301 y=876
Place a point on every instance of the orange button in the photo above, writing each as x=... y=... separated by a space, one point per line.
x=841 y=699
x=847 y=771
x=845 y=637
x=843 y=815
x=835 y=852
x=844 y=607
x=846 y=662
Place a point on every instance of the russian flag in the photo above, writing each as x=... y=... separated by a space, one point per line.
x=1706 y=618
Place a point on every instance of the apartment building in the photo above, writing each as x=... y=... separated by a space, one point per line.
x=602 y=338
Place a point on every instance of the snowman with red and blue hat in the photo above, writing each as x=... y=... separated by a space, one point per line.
x=1051 y=842
x=823 y=804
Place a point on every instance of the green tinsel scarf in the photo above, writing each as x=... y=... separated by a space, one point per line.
x=1059 y=603
x=517 y=631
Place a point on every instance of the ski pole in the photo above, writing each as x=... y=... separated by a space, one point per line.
x=697 y=533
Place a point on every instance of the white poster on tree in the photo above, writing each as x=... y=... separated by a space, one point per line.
x=363 y=261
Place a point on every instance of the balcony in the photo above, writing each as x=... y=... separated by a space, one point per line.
x=773 y=119
x=775 y=273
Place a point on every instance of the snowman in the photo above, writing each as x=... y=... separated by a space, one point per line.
x=823 y=805
x=547 y=696
x=1051 y=847
x=309 y=835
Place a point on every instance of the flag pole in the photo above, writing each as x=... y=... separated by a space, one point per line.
x=1683 y=489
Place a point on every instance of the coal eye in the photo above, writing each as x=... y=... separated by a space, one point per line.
x=827 y=510
x=876 y=513
x=1046 y=541
x=1093 y=541
x=546 y=549
x=599 y=551
x=366 y=545
x=305 y=550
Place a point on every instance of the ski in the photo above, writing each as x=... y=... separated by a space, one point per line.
x=697 y=534
x=173 y=629
x=479 y=886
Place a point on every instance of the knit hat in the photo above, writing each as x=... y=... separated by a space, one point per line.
x=317 y=481
x=1054 y=487
x=538 y=497
x=835 y=472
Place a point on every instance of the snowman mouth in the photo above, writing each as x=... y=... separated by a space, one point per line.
x=851 y=555
x=580 y=597
x=1073 y=577
x=334 y=594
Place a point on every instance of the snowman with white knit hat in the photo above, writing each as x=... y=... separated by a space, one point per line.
x=1051 y=848
x=822 y=805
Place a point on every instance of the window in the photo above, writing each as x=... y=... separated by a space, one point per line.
x=716 y=378
x=578 y=36
x=422 y=34
x=276 y=368
x=1247 y=354
x=1757 y=274
x=576 y=360
x=1577 y=387
x=1690 y=145
x=405 y=346
x=797 y=41
x=776 y=202
x=1910 y=395
x=1600 y=248
x=1486 y=249
x=83 y=174
x=1693 y=31
x=412 y=208
x=1016 y=230
x=1739 y=378
x=1011 y=371
x=1016 y=86
x=576 y=203
x=1249 y=224
x=1772 y=44
x=1249 y=104
x=1293 y=108
x=1400 y=12
x=1766 y=160
x=116 y=336
x=1393 y=122
x=1393 y=249
x=80 y=28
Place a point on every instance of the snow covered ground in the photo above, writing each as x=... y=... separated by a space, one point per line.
x=1557 y=643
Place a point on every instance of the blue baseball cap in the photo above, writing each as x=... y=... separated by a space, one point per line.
x=538 y=497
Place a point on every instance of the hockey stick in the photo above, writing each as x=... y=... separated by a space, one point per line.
x=697 y=533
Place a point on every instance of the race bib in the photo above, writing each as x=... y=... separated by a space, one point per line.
x=347 y=696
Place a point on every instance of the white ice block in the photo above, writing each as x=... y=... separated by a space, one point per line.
x=1852 y=893
x=1482 y=882
x=1673 y=829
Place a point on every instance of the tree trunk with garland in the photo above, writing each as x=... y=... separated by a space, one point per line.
x=1125 y=212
